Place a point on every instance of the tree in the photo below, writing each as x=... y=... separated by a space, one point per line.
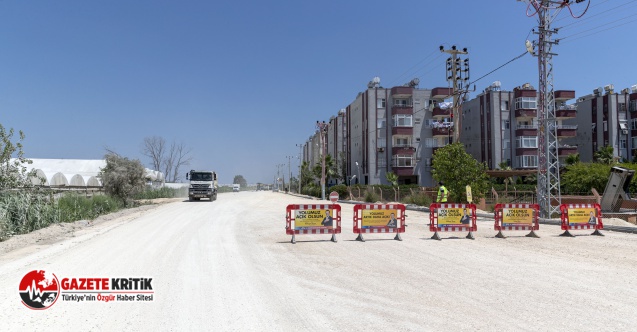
x=393 y=179
x=307 y=176
x=572 y=159
x=13 y=172
x=604 y=155
x=509 y=179
x=331 y=171
x=457 y=169
x=168 y=159
x=122 y=178
x=238 y=179
x=579 y=178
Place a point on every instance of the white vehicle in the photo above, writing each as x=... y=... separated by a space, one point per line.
x=203 y=184
x=236 y=187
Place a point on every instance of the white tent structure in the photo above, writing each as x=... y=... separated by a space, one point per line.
x=76 y=172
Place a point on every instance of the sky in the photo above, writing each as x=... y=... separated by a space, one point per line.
x=241 y=83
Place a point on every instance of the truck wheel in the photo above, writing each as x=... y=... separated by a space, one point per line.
x=190 y=199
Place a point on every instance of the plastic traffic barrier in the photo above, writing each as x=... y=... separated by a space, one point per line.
x=517 y=217
x=581 y=217
x=379 y=218
x=313 y=219
x=452 y=217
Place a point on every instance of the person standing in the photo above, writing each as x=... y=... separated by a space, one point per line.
x=442 y=193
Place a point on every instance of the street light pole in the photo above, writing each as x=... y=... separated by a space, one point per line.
x=300 y=164
x=322 y=126
x=289 y=173
x=358 y=169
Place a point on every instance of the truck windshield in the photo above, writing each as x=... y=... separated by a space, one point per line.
x=200 y=176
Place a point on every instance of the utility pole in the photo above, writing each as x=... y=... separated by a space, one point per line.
x=289 y=173
x=322 y=127
x=300 y=164
x=548 y=170
x=457 y=73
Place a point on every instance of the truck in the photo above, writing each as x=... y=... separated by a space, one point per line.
x=236 y=187
x=203 y=184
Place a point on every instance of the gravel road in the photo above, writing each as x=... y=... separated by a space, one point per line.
x=228 y=266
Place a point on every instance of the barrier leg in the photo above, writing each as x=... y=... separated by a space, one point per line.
x=500 y=235
x=360 y=237
x=532 y=234
x=334 y=238
x=470 y=236
x=397 y=237
x=597 y=233
x=436 y=237
x=567 y=234
x=293 y=239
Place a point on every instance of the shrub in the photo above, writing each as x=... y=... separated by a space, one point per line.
x=341 y=189
x=371 y=197
x=420 y=199
x=122 y=178
x=163 y=192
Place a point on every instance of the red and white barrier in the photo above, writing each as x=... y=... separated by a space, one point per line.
x=451 y=217
x=312 y=219
x=517 y=217
x=379 y=218
x=581 y=217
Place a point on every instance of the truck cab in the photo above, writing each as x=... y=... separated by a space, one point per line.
x=236 y=187
x=203 y=184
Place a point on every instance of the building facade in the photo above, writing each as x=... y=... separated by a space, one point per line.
x=501 y=127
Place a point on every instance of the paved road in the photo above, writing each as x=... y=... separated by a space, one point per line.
x=228 y=265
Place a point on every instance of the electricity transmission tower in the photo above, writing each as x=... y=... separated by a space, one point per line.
x=548 y=170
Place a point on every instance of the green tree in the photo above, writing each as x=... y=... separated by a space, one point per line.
x=393 y=179
x=572 y=159
x=331 y=171
x=457 y=169
x=579 y=178
x=122 y=178
x=604 y=155
x=238 y=179
x=307 y=176
x=13 y=172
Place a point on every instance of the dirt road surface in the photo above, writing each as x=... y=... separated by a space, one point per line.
x=228 y=266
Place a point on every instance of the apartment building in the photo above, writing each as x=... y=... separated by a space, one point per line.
x=388 y=130
x=502 y=126
x=606 y=118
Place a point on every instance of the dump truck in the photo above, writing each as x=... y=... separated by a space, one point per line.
x=203 y=184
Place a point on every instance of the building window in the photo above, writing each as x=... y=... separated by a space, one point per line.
x=526 y=103
x=622 y=143
x=632 y=105
x=506 y=144
x=634 y=142
x=527 y=161
x=417 y=121
x=402 y=141
x=403 y=161
x=605 y=125
x=526 y=142
x=403 y=120
x=381 y=103
x=402 y=102
x=504 y=106
x=381 y=160
x=506 y=124
x=633 y=123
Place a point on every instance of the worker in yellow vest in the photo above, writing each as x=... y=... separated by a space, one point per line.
x=443 y=193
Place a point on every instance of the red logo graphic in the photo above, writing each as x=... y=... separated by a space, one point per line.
x=39 y=289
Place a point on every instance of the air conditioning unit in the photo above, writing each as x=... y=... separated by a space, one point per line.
x=625 y=131
x=381 y=149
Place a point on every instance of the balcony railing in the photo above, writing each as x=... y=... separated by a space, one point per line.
x=534 y=126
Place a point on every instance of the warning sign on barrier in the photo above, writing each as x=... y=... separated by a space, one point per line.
x=450 y=217
x=313 y=219
x=379 y=218
x=517 y=217
x=581 y=217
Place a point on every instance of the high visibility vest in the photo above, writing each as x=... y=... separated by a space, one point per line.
x=442 y=195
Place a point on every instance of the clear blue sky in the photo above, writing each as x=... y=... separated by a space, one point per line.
x=242 y=82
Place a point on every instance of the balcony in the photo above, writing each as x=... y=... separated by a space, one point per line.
x=441 y=113
x=401 y=91
x=525 y=113
x=403 y=150
x=403 y=170
x=441 y=131
x=526 y=151
x=566 y=150
x=441 y=93
x=402 y=131
x=566 y=112
x=566 y=131
x=526 y=130
x=402 y=109
x=564 y=95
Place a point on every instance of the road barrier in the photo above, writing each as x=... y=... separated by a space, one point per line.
x=313 y=219
x=379 y=218
x=517 y=217
x=580 y=217
x=451 y=217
